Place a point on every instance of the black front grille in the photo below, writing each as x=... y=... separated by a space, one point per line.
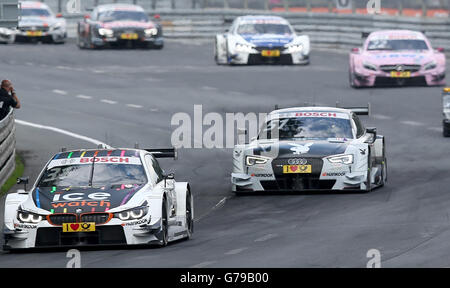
x=389 y=68
x=59 y=219
x=104 y=235
x=255 y=59
x=39 y=28
x=298 y=182
x=97 y=218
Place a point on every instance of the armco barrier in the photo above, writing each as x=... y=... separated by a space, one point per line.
x=7 y=147
x=324 y=29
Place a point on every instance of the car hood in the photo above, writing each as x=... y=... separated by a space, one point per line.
x=289 y=149
x=37 y=21
x=89 y=199
x=127 y=24
x=268 y=40
x=398 y=57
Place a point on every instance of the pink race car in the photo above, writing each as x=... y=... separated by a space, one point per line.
x=396 y=57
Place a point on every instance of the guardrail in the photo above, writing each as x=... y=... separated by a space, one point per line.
x=7 y=147
x=325 y=29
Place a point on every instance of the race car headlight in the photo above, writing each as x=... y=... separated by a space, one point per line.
x=430 y=65
x=28 y=217
x=341 y=159
x=370 y=66
x=5 y=31
x=132 y=214
x=253 y=160
x=151 y=32
x=106 y=32
x=294 y=48
x=241 y=47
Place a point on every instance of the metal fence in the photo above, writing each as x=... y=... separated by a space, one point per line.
x=7 y=147
x=392 y=7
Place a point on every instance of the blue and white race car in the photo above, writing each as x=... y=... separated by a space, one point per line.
x=261 y=40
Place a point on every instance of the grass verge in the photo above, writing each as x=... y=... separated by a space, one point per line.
x=18 y=172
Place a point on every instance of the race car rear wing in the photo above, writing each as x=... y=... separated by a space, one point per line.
x=164 y=153
x=357 y=110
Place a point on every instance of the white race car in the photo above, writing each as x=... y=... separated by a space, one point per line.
x=37 y=23
x=261 y=40
x=100 y=197
x=311 y=148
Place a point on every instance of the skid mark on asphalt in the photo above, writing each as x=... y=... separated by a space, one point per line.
x=217 y=206
x=134 y=106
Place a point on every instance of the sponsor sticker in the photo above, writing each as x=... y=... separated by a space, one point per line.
x=79 y=227
x=297 y=169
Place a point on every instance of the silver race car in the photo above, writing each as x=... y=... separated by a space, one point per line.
x=37 y=23
x=100 y=197
x=311 y=148
x=261 y=40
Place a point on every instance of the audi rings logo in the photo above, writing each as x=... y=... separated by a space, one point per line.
x=297 y=161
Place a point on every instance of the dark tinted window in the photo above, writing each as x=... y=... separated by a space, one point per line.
x=35 y=12
x=104 y=174
x=249 y=28
x=109 y=16
x=396 y=45
x=308 y=128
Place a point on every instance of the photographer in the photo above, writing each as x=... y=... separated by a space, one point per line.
x=8 y=98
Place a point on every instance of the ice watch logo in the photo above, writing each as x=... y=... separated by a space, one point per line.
x=73 y=6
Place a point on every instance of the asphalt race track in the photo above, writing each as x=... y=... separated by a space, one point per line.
x=126 y=96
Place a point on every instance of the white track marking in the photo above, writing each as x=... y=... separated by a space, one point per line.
x=134 y=106
x=108 y=101
x=60 y=92
x=203 y=264
x=84 y=97
x=154 y=109
x=266 y=237
x=235 y=251
x=412 y=123
x=381 y=117
x=62 y=131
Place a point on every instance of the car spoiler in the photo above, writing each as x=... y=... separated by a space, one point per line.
x=357 y=110
x=364 y=35
x=164 y=153
x=306 y=104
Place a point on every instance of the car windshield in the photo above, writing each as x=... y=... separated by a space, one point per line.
x=117 y=15
x=34 y=12
x=104 y=174
x=249 y=28
x=397 y=45
x=307 y=128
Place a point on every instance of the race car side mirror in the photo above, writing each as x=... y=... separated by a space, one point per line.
x=373 y=131
x=59 y=15
x=355 y=50
x=440 y=50
x=169 y=176
x=24 y=181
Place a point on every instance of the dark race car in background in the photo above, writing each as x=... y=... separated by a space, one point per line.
x=119 y=25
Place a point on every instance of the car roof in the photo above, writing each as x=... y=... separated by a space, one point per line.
x=33 y=4
x=262 y=17
x=120 y=7
x=311 y=109
x=396 y=32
